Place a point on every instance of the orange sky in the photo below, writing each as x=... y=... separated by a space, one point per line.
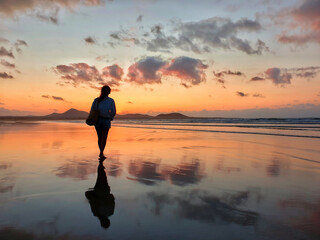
x=166 y=60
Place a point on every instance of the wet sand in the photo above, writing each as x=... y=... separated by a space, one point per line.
x=166 y=184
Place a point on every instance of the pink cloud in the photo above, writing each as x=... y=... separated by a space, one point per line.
x=82 y=73
x=150 y=70
x=146 y=71
x=113 y=72
x=190 y=71
x=278 y=76
x=300 y=39
x=305 y=18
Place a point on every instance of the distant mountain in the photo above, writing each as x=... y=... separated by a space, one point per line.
x=172 y=116
x=145 y=116
x=74 y=114
x=133 y=116
x=70 y=114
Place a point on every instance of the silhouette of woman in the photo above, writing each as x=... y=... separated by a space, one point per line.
x=101 y=200
x=107 y=110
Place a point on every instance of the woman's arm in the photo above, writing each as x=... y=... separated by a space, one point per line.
x=93 y=106
x=113 y=109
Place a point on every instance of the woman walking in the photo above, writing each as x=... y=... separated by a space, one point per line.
x=107 y=110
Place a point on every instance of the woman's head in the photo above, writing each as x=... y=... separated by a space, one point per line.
x=105 y=91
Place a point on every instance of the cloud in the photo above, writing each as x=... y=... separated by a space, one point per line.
x=6 y=53
x=199 y=37
x=307 y=72
x=82 y=73
x=57 y=98
x=5 y=75
x=227 y=72
x=242 y=94
x=14 y=8
x=189 y=70
x=7 y=64
x=156 y=29
x=139 y=18
x=219 y=76
x=146 y=71
x=101 y=58
x=255 y=79
x=308 y=11
x=90 y=40
x=300 y=39
x=78 y=73
x=150 y=70
x=205 y=35
x=284 y=75
x=113 y=72
x=53 y=97
x=221 y=82
x=305 y=19
x=4 y=40
x=122 y=37
x=258 y=95
x=278 y=76
x=50 y=16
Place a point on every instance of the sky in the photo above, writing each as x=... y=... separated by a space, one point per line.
x=209 y=58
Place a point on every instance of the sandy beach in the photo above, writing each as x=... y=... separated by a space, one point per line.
x=167 y=184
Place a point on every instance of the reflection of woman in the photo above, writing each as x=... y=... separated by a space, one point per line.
x=107 y=110
x=100 y=199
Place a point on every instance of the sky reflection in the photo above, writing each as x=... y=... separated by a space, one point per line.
x=187 y=185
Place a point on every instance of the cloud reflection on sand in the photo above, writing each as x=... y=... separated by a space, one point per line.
x=310 y=221
x=75 y=168
x=6 y=178
x=202 y=206
x=151 y=171
x=80 y=168
x=145 y=172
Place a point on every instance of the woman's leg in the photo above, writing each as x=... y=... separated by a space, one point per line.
x=99 y=133
x=104 y=136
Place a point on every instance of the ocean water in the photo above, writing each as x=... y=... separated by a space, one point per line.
x=190 y=179
x=291 y=127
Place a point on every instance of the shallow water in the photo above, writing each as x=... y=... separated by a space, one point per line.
x=167 y=184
